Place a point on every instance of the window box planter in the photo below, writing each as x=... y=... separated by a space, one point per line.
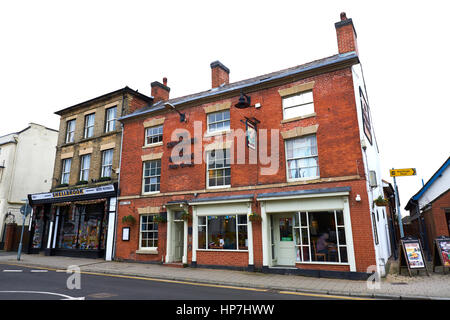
x=82 y=182
x=62 y=185
x=102 y=179
x=129 y=220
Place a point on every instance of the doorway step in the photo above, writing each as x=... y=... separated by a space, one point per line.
x=175 y=264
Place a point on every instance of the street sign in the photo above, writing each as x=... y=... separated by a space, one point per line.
x=402 y=172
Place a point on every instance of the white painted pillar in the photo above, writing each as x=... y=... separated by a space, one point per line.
x=185 y=242
x=264 y=239
x=194 y=234
x=349 y=235
x=110 y=238
x=56 y=228
x=250 y=236
x=50 y=234
x=169 y=244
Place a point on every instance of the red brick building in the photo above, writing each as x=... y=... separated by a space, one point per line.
x=429 y=209
x=275 y=173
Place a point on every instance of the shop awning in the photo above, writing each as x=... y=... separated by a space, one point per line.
x=73 y=195
x=338 y=191
x=229 y=199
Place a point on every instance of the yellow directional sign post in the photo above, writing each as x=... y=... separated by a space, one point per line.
x=403 y=172
x=400 y=173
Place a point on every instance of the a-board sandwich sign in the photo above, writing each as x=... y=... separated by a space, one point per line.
x=411 y=255
x=441 y=252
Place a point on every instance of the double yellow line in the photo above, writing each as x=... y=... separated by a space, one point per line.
x=326 y=296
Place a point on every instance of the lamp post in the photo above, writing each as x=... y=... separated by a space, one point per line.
x=25 y=210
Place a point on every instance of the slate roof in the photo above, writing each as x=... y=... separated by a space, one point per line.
x=246 y=83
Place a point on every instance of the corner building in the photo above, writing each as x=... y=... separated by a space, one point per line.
x=306 y=208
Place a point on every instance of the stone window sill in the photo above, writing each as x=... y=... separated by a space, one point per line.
x=299 y=118
x=152 y=145
x=147 y=251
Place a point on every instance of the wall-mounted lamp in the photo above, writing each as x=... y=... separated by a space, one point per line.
x=244 y=101
x=168 y=105
x=358 y=198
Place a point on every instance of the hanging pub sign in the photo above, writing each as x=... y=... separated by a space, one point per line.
x=411 y=255
x=251 y=136
x=441 y=252
x=251 y=131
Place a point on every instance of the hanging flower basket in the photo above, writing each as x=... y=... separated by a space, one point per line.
x=159 y=218
x=254 y=217
x=186 y=216
x=381 y=202
x=129 y=220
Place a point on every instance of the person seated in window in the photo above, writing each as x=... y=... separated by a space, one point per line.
x=322 y=244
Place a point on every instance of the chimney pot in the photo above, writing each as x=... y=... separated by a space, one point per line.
x=346 y=35
x=219 y=74
x=160 y=91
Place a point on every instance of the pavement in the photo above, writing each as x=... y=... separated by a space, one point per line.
x=393 y=286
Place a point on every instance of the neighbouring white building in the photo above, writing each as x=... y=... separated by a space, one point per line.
x=26 y=166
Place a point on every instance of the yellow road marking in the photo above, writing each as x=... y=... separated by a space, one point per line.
x=195 y=284
x=149 y=279
x=322 y=295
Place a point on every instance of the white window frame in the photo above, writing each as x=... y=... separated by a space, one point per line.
x=154 y=232
x=84 y=170
x=150 y=176
x=110 y=124
x=237 y=231
x=225 y=151
x=104 y=166
x=147 y=135
x=291 y=159
x=70 y=132
x=89 y=127
x=225 y=129
x=298 y=106
x=309 y=245
x=65 y=173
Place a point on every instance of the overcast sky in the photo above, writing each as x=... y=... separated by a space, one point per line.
x=55 y=54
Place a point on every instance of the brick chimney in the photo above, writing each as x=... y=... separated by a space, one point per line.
x=346 y=35
x=160 y=91
x=219 y=74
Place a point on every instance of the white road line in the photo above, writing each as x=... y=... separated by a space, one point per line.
x=39 y=270
x=65 y=297
x=12 y=270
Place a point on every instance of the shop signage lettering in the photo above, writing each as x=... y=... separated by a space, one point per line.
x=71 y=193
x=67 y=193
x=172 y=144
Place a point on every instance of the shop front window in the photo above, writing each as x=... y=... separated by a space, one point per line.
x=69 y=220
x=82 y=227
x=90 y=227
x=223 y=232
x=38 y=230
x=320 y=236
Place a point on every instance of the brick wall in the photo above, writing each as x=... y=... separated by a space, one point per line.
x=340 y=162
x=337 y=137
x=359 y=212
